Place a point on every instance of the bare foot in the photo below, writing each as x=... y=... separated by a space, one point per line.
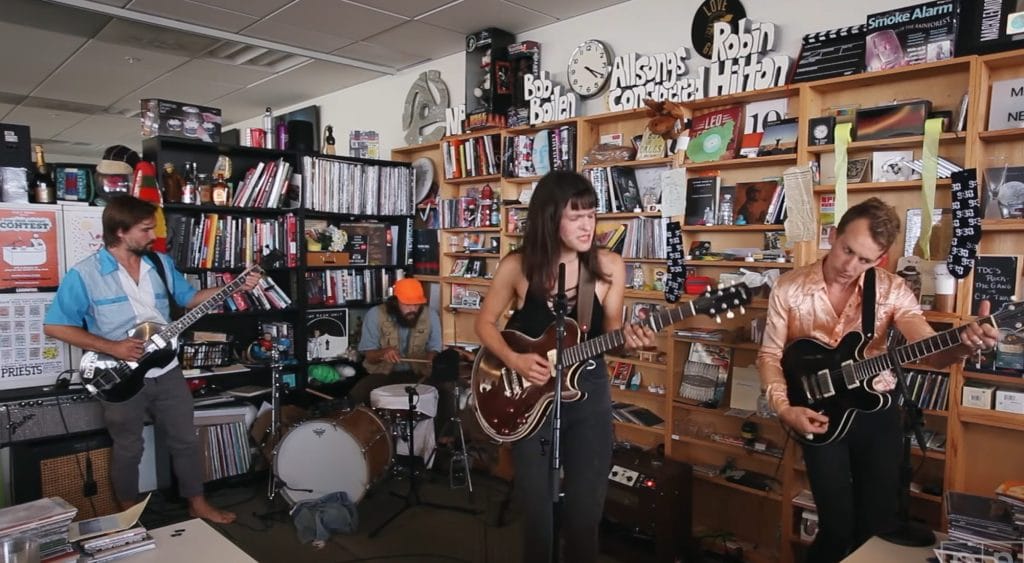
x=198 y=507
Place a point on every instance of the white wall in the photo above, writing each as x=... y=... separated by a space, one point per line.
x=642 y=26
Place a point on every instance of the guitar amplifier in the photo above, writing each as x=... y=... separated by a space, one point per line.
x=651 y=496
x=37 y=417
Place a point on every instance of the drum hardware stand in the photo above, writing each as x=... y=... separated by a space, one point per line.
x=412 y=498
x=460 y=455
x=274 y=432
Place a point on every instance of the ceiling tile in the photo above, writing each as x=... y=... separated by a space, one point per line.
x=343 y=21
x=192 y=12
x=52 y=17
x=98 y=74
x=200 y=70
x=407 y=8
x=155 y=38
x=43 y=122
x=416 y=37
x=173 y=86
x=469 y=17
x=255 y=8
x=297 y=36
x=103 y=130
x=565 y=9
x=376 y=54
x=4 y=108
x=24 y=72
x=289 y=88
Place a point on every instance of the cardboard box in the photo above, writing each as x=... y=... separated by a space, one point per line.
x=979 y=396
x=1008 y=400
x=179 y=119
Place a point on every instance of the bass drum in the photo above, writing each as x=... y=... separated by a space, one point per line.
x=348 y=453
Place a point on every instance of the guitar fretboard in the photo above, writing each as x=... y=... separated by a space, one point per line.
x=175 y=329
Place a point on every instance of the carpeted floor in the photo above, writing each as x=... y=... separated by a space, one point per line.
x=422 y=534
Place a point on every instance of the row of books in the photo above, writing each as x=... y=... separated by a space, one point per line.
x=469 y=268
x=225 y=444
x=536 y=155
x=476 y=156
x=267 y=296
x=932 y=440
x=635 y=414
x=213 y=240
x=644 y=238
x=708 y=202
x=332 y=287
x=266 y=185
x=337 y=186
x=624 y=189
x=624 y=375
x=465 y=212
x=930 y=390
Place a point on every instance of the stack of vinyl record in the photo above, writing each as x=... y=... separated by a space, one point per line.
x=46 y=519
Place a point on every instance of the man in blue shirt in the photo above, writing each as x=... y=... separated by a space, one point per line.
x=109 y=293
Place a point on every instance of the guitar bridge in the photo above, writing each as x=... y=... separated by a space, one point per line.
x=512 y=382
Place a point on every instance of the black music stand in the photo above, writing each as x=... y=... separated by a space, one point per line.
x=412 y=498
x=907 y=532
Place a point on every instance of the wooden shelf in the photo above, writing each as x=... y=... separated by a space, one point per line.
x=427 y=278
x=852 y=82
x=646 y=260
x=474 y=179
x=926 y=496
x=645 y=294
x=1010 y=421
x=1001 y=135
x=627 y=215
x=737 y=264
x=641 y=394
x=994 y=378
x=473 y=254
x=896 y=142
x=467 y=281
x=931 y=412
x=635 y=362
x=421 y=147
x=930 y=454
x=773 y=160
x=472 y=230
x=942 y=317
x=725 y=447
x=1002 y=225
x=721 y=481
x=649 y=163
x=733 y=228
x=737 y=345
x=641 y=427
x=880 y=186
x=523 y=180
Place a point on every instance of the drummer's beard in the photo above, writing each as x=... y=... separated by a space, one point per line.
x=405 y=320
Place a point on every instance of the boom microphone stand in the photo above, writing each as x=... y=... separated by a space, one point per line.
x=557 y=495
x=907 y=532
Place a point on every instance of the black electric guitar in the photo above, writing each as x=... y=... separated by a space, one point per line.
x=511 y=408
x=116 y=381
x=838 y=382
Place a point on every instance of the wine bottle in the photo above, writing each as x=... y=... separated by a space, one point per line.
x=42 y=189
x=173 y=184
x=329 y=140
x=221 y=191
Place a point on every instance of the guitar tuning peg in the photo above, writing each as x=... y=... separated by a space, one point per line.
x=743 y=311
x=730 y=315
x=718 y=319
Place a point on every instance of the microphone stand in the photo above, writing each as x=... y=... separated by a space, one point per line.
x=906 y=532
x=557 y=495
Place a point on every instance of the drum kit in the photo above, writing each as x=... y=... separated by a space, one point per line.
x=351 y=450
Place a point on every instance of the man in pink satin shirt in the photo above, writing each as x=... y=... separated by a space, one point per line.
x=855 y=480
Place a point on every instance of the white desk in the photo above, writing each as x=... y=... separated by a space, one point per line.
x=198 y=542
x=877 y=550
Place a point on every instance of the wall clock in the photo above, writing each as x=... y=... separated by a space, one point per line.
x=589 y=68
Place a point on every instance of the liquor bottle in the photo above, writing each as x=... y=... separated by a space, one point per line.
x=42 y=189
x=190 y=189
x=173 y=184
x=329 y=140
x=205 y=187
x=268 y=128
x=221 y=191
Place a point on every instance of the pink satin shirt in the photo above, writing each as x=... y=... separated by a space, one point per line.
x=799 y=308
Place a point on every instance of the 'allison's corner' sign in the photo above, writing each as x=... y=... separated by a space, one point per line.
x=741 y=61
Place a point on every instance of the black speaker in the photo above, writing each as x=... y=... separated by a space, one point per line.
x=76 y=469
x=651 y=495
x=301 y=136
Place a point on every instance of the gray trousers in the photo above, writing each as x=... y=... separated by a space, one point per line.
x=169 y=404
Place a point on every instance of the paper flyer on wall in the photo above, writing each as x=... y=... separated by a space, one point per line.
x=106 y=524
x=30 y=251
x=28 y=358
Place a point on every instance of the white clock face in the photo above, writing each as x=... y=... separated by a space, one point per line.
x=589 y=68
x=820 y=131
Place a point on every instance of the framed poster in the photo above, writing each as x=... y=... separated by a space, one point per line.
x=83 y=233
x=327 y=334
x=30 y=248
x=28 y=358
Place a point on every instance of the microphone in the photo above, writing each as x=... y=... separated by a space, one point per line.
x=561 y=278
x=411 y=389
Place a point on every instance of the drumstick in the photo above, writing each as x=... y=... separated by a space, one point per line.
x=414 y=361
x=319 y=394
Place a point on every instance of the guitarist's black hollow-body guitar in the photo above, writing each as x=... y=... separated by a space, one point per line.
x=116 y=381
x=839 y=382
x=511 y=408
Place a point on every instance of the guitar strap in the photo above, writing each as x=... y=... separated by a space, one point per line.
x=176 y=310
x=585 y=300
x=867 y=314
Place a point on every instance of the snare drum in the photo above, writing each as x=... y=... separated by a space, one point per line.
x=349 y=453
x=392 y=403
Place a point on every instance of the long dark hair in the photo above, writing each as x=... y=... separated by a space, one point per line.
x=542 y=244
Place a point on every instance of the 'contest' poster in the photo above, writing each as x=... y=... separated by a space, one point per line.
x=27 y=357
x=29 y=249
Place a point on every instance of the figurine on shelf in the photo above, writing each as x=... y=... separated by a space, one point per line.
x=329 y=140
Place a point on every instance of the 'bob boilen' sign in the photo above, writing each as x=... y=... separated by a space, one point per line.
x=740 y=62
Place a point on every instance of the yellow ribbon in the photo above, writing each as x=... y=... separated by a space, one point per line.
x=842 y=134
x=929 y=169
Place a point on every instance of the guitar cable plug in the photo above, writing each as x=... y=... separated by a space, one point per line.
x=89 y=488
